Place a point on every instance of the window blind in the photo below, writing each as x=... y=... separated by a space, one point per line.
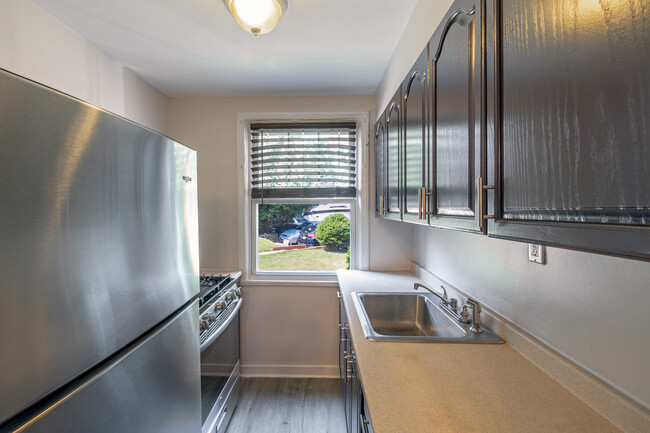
x=303 y=160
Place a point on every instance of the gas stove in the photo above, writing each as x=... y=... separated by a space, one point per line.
x=211 y=285
x=218 y=299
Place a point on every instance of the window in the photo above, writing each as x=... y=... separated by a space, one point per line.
x=303 y=196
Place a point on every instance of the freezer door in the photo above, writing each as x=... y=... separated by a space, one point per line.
x=154 y=387
x=98 y=236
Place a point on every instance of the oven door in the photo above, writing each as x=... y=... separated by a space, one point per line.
x=219 y=372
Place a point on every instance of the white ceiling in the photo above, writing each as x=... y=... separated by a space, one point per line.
x=194 y=48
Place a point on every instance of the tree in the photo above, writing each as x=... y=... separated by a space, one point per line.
x=334 y=231
x=272 y=216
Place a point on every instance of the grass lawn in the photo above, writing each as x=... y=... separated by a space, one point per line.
x=303 y=260
x=265 y=245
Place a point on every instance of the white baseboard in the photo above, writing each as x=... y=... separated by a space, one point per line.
x=310 y=371
x=618 y=408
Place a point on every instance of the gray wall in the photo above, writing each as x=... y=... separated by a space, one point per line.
x=591 y=308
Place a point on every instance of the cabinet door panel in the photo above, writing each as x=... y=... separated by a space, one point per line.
x=414 y=106
x=454 y=127
x=569 y=98
x=575 y=139
x=394 y=157
x=456 y=116
x=380 y=165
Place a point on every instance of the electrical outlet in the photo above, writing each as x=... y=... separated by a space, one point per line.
x=537 y=253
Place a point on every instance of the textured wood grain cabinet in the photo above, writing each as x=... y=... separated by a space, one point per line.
x=394 y=158
x=538 y=125
x=416 y=167
x=568 y=110
x=380 y=165
x=456 y=121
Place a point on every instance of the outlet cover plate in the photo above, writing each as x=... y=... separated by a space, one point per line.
x=537 y=253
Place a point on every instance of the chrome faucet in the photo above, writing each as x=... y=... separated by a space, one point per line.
x=445 y=303
x=443 y=298
x=450 y=306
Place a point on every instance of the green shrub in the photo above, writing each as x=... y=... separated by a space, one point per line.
x=333 y=231
x=347 y=258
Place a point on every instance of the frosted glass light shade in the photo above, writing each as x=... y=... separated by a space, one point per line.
x=257 y=16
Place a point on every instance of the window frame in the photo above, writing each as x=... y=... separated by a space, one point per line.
x=248 y=222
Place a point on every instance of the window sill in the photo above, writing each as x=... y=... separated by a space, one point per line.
x=288 y=279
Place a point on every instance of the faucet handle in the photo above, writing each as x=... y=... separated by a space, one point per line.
x=464 y=315
x=444 y=292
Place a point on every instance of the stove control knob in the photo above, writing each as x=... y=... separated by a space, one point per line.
x=203 y=325
x=222 y=305
x=230 y=296
x=238 y=291
x=212 y=317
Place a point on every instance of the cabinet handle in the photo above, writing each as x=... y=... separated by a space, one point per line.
x=481 y=206
x=382 y=211
x=425 y=194
x=363 y=423
x=422 y=203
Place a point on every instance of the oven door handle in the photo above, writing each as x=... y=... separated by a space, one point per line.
x=223 y=326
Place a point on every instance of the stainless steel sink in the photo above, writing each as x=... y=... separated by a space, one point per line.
x=412 y=317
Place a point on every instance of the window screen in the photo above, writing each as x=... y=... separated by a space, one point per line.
x=303 y=160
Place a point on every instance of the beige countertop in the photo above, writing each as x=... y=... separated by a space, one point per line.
x=442 y=387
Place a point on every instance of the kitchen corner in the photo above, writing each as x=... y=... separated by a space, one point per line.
x=413 y=387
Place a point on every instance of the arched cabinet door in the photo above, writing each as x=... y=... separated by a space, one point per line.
x=456 y=117
x=394 y=157
x=416 y=165
x=380 y=165
x=568 y=107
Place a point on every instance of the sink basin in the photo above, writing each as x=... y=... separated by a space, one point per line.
x=412 y=317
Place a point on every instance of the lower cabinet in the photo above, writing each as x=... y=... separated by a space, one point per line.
x=357 y=417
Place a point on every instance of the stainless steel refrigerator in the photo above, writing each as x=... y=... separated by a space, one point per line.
x=98 y=270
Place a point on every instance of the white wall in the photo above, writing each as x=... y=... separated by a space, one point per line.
x=282 y=325
x=591 y=308
x=289 y=330
x=210 y=126
x=39 y=47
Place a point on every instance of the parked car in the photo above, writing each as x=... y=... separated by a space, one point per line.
x=308 y=235
x=322 y=211
x=290 y=236
x=296 y=223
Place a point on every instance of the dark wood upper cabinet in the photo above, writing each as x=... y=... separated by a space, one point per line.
x=456 y=117
x=416 y=168
x=380 y=165
x=568 y=110
x=537 y=125
x=394 y=157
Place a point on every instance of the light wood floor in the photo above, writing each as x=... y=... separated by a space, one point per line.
x=270 y=405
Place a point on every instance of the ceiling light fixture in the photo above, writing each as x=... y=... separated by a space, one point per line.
x=257 y=16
